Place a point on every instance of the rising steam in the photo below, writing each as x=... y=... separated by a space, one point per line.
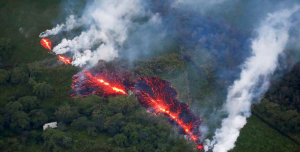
x=105 y=27
x=254 y=78
x=109 y=27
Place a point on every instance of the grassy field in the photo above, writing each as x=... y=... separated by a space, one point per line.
x=257 y=136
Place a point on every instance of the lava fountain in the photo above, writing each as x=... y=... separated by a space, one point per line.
x=46 y=44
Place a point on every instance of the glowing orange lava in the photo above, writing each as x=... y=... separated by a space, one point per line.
x=64 y=59
x=155 y=94
x=158 y=96
x=86 y=84
x=46 y=44
x=160 y=108
x=113 y=88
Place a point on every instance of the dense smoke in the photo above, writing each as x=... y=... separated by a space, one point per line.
x=254 y=78
x=105 y=27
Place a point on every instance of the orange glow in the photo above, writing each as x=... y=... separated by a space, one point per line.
x=160 y=98
x=64 y=59
x=46 y=44
x=113 y=88
x=155 y=94
x=161 y=109
x=100 y=84
x=102 y=81
x=200 y=147
x=119 y=90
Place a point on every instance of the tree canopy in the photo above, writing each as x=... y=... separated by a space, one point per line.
x=5 y=49
x=43 y=89
x=20 y=74
x=4 y=76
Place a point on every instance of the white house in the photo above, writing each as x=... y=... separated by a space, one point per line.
x=51 y=124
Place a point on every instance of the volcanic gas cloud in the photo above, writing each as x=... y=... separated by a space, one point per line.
x=155 y=94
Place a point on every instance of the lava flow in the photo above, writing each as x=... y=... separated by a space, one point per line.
x=64 y=59
x=152 y=93
x=102 y=84
x=46 y=44
x=158 y=96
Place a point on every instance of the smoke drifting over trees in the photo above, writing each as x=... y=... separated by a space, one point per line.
x=105 y=26
x=240 y=43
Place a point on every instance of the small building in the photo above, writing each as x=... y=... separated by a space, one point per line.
x=51 y=125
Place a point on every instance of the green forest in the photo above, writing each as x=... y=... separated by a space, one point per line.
x=35 y=90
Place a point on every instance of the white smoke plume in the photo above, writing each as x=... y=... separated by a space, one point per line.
x=254 y=78
x=71 y=23
x=106 y=25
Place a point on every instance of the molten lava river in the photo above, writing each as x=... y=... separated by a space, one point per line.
x=155 y=94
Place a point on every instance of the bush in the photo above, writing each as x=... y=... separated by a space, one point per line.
x=43 y=89
x=20 y=74
x=12 y=107
x=1 y=123
x=66 y=114
x=2 y=144
x=54 y=140
x=19 y=121
x=37 y=118
x=29 y=103
x=80 y=123
x=92 y=131
x=5 y=49
x=120 y=140
x=4 y=76
x=35 y=136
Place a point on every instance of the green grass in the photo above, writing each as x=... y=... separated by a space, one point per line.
x=257 y=136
